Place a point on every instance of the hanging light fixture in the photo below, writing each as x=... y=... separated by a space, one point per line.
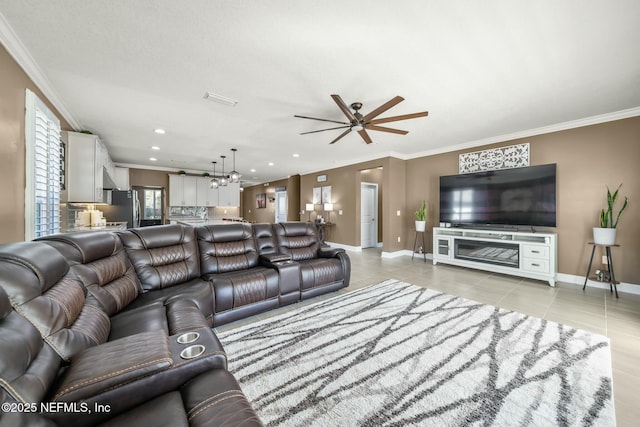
x=223 y=180
x=214 y=183
x=234 y=176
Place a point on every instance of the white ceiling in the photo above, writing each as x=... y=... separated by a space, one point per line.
x=484 y=71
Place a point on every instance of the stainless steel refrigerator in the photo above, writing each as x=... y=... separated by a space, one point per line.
x=124 y=206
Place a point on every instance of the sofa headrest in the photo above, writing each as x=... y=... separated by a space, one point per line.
x=43 y=289
x=85 y=247
x=224 y=232
x=298 y=239
x=162 y=255
x=32 y=258
x=265 y=238
x=157 y=236
x=295 y=229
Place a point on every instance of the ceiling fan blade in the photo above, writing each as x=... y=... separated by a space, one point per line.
x=386 y=129
x=344 y=108
x=322 y=130
x=322 y=120
x=341 y=135
x=384 y=107
x=363 y=133
x=396 y=118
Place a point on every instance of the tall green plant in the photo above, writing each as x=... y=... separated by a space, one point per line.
x=606 y=215
x=421 y=214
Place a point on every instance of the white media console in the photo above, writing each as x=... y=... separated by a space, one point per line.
x=524 y=254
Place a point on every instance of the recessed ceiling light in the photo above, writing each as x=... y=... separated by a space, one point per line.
x=270 y=163
x=160 y=131
x=253 y=170
x=296 y=155
x=153 y=159
x=155 y=147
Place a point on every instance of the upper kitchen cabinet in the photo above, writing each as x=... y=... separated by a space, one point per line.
x=205 y=195
x=89 y=168
x=229 y=195
x=182 y=190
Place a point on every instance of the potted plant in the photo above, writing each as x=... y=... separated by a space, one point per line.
x=421 y=216
x=606 y=233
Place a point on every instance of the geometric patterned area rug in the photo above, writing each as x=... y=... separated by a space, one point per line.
x=395 y=354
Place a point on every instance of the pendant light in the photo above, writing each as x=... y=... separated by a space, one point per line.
x=234 y=176
x=214 y=183
x=223 y=180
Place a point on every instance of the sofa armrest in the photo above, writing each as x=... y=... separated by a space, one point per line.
x=269 y=260
x=114 y=364
x=329 y=252
x=125 y=373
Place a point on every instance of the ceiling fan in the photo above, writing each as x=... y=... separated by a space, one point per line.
x=359 y=123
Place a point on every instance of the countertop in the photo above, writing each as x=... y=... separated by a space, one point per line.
x=111 y=226
x=195 y=222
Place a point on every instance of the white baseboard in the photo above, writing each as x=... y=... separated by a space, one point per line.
x=404 y=252
x=345 y=247
x=629 y=288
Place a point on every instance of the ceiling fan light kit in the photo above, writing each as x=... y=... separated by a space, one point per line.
x=359 y=123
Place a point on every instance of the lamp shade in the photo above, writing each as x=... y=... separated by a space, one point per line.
x=309 y=206
x=328 y=207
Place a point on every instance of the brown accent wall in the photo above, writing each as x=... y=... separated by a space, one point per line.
x=149 y=178
x=13 y=83
x=345 y=192
x=293 y=198
x=250 y=211
x=588 y=159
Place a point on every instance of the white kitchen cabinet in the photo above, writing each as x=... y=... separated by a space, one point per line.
x=182 y=190
x=205 y=195
x=229 y=195
x=88 y=163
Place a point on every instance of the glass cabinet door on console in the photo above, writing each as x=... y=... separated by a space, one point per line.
x=444 y=247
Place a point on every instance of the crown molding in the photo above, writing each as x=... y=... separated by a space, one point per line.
x=573 y=124
x=21 y=55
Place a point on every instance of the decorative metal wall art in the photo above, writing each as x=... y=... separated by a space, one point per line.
x=513 y=156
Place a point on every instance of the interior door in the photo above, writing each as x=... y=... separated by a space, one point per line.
x=368 y=215
x=281 y=206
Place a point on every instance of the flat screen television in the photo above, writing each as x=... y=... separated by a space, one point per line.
x=518 y=196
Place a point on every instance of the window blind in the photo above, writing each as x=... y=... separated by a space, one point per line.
x=43 y=157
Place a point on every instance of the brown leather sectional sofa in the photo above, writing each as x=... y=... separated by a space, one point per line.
x=91 y=324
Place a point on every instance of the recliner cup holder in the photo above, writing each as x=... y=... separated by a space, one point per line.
x=188 y=337
x=192 y=351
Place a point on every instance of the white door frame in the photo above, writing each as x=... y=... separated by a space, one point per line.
x=281 y=195
x=374 y=186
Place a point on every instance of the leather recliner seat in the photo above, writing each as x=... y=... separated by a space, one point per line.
x=101 y=313
x=54 y=350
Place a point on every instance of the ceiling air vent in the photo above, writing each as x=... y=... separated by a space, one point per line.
x=220 y=99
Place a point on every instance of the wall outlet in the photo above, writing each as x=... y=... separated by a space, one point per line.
x=398 y=239
x=340 y=212
x=604 y=259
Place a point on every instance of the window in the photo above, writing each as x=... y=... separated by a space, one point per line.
x=152 y=204
x=43 y=166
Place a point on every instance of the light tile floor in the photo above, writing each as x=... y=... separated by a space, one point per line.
x=595 y=310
